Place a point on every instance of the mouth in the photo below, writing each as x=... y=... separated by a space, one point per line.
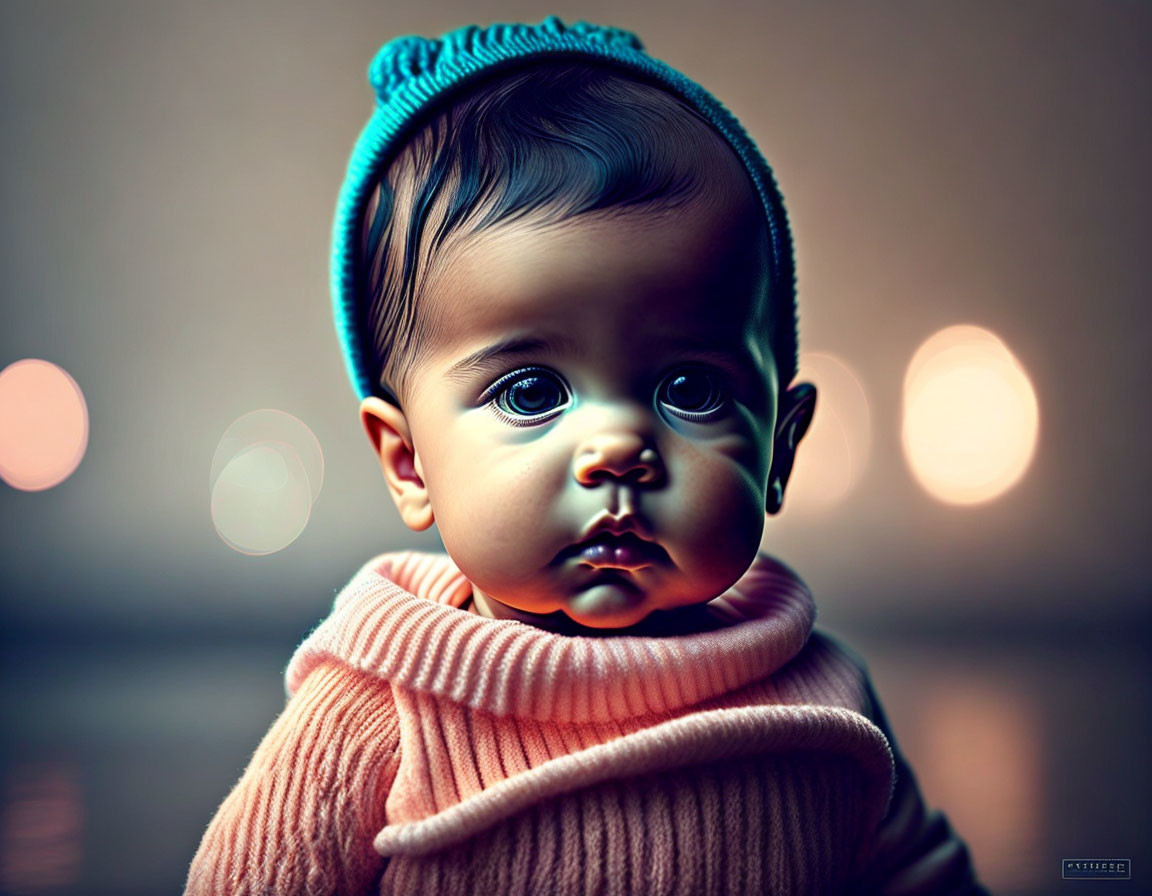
x=624 y=551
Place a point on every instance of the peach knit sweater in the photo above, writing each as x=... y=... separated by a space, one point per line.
x=428 y=750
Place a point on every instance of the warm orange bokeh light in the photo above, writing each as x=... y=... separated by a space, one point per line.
x=992 y=785
x=43 y=425
x=41 y=828
x=971 y=418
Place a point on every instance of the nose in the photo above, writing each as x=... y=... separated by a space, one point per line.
x=620 y=453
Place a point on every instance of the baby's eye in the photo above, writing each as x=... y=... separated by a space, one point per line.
x=692 y=393
x=528 y=395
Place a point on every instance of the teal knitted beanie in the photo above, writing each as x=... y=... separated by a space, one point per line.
x=409 y=74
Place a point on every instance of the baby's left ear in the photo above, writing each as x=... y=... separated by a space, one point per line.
x=797 y=405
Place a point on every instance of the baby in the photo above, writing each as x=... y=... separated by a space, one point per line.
x=564 y=286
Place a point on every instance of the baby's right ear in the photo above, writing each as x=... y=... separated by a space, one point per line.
x=391 y=437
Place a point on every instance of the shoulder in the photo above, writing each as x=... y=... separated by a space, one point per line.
x=348 y=704
x=851 y=666
x=837 y=645
x=333 y=681
x=313 y=795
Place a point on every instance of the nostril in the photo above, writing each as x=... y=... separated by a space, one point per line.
x=647 y=468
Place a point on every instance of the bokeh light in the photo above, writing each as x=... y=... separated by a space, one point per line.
x=971 y=418
x=43 y=425
x=41 y=828
x=831 y=458
x=267 y=472
x=992 y=789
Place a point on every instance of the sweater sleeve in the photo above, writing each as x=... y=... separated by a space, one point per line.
x=918 y=853
x=302 y=818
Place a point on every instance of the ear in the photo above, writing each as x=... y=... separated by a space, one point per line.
x=797 y=405
x=391 y=437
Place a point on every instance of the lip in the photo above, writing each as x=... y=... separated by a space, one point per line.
x=606 y=523
x=626 y=550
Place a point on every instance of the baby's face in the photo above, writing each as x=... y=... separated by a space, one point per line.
x=591 y=423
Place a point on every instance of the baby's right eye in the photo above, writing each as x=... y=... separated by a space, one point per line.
x=529 y=396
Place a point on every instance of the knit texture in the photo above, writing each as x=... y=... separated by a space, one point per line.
x=399 y=618
x=302 y=819
x=428 y=750
x=410 y=74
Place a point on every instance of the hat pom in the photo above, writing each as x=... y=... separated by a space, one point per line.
x=404 y=58
x=601 y=34
x=400 y=60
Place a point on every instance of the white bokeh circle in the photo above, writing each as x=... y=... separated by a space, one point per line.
x=266 y=473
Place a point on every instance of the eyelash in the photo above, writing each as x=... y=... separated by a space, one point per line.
x=491 y=396
x=719 y=387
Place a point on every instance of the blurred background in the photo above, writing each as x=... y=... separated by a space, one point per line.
x=186 y=484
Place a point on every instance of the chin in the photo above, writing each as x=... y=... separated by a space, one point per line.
x=608 y=605
x=606 y=625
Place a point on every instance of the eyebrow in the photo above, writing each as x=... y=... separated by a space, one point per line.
x=507 y=348
x=731 y=358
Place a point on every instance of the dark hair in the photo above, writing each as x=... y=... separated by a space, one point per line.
x=551 y=140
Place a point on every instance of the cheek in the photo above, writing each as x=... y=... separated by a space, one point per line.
x=494 y=507
x=722 y=518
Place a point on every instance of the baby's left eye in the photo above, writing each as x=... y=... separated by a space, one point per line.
x=692 y=393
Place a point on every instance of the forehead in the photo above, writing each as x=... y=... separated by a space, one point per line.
x=699 y=269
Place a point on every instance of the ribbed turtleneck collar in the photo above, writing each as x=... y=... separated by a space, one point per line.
x=400 y=618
